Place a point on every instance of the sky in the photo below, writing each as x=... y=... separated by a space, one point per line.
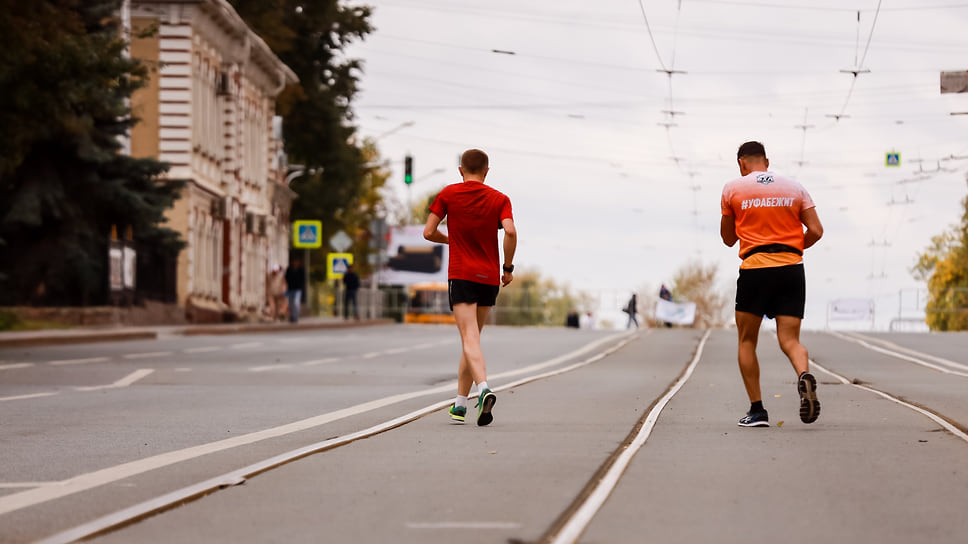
x=613 y=126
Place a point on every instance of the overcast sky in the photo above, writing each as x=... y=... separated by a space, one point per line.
x=612 y=194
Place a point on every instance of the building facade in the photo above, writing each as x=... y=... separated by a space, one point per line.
x=208 y=111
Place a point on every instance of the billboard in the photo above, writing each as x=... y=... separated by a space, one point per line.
x=412 y=259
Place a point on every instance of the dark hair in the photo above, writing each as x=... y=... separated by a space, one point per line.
x=474 y=161
x=751 y=149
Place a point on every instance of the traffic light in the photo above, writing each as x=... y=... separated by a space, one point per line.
x=408 y=170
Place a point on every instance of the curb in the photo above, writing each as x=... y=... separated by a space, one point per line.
x=41 y=338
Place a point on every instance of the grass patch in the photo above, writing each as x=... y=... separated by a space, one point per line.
x=10 y=322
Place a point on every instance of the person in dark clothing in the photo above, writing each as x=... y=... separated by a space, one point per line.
x=351 y=285
x=295 y=285
x=664 y=294
x=632 y=308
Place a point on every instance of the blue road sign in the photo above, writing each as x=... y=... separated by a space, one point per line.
x=892 y=159
x=307 y=233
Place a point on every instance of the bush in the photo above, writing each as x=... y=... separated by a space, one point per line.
x=8 y=321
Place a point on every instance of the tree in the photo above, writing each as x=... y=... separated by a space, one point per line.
x=944 y=264
x=531 y=300
x=309 y=36
x=63 y=182
x=696 y=282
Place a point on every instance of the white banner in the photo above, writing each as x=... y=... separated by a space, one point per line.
x=851 y=309
x=679 y=313
x=412 y=259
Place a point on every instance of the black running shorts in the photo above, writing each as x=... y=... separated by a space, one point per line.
x=471 y=292
x=780 y=290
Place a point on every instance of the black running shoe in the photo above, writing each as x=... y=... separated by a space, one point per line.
x=755 y=419
x=485 y=402
x=809 y=405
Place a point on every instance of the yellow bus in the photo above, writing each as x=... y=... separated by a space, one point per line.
x=428 y=303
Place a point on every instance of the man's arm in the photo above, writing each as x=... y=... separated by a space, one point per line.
x=811 y=220
x=432 y=233
x=727 y=229
x=510 y=245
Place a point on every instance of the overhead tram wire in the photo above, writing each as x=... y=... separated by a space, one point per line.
x=858 y=66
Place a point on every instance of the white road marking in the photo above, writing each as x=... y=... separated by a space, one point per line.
x=183 y=369
x=396 y=351
x=372 y=354
x=424 y=346
x=246 y=345
x=147 y=355
x=94 y=479
x=90 y=480
x=940 y=421
x=123 y=382
x=15 y=365
x=20 y=485
x=573 y=529
x=321 y=361
x=901 y=356
x=30 y=396
x=270 y=367
x=897 y=351
x=483 y=525
x=205 y=349
x=77 y=361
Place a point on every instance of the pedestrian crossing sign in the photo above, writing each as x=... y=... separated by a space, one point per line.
x=892 y=158
x=307 y=233
x=336 y=264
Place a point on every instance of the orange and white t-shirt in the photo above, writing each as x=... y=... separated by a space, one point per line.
x=766 y=208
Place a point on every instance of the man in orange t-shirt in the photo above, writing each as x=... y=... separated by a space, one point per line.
x=767 y=214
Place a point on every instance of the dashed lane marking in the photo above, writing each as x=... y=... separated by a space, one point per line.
x=206 y=349
x=30 y=396
x=246 y=345
x=123 y=382
x=147 y=355
x=62 y=362
x=481 y=525
x=15 y=365
x=321 y=361
x=270 y=367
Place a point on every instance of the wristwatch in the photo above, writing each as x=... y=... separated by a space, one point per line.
x=508 y=268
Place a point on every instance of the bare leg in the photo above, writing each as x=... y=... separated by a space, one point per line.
x=748 y=329
x=470 y=322
x=788 y=334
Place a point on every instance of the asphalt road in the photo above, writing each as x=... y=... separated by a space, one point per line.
x=342 y=436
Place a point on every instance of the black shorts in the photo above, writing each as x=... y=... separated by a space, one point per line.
x=471 y=292
x=780 y=290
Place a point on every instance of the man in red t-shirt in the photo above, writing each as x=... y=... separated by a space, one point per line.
x=474 y=214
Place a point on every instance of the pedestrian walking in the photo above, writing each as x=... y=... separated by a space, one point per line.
x=475 y=213
x=631 y=308
x=351 y=286
x=666 y=295
x=295 y=285
x=767 y=213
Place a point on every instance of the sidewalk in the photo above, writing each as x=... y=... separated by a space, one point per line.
x=83 y=335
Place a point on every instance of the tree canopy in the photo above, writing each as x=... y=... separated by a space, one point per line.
x=944 y=265
x=64 y=85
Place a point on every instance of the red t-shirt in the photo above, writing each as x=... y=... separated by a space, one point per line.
x=474 y=213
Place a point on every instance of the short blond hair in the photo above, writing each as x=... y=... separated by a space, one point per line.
x=474 y=161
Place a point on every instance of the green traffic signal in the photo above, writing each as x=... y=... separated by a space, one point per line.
x=408 y=170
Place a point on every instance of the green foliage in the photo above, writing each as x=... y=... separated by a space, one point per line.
x=309 y=36
x=696 y=282
x=8 y=321
x=63 y=183
x=944 y=264
x=531 y=300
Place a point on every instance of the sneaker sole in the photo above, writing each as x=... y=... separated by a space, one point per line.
x=809 y=405
x=756 y=424
x=485 y=418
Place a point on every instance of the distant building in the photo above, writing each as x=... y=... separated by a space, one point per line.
x=209 y=112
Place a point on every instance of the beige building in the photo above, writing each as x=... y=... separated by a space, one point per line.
x=209 y=112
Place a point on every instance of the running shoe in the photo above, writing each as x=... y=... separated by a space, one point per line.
x=755 y=419
x=485 y=402
x=457 y=413
x=809 y=405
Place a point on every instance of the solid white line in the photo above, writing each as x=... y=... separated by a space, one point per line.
x=908 y=351
x=321 y=361
x=573 y=530
x=31 y=396
x=20 y=485
x=246 y=345
x=239 y=476
x=16 y=365
x=270 y=367
x=147 y=355
x=464 y=525
x=77 y=361
x=948 y=426
x=123 y=382
x=90 y=480
x=897 y=355
x=202 y=350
